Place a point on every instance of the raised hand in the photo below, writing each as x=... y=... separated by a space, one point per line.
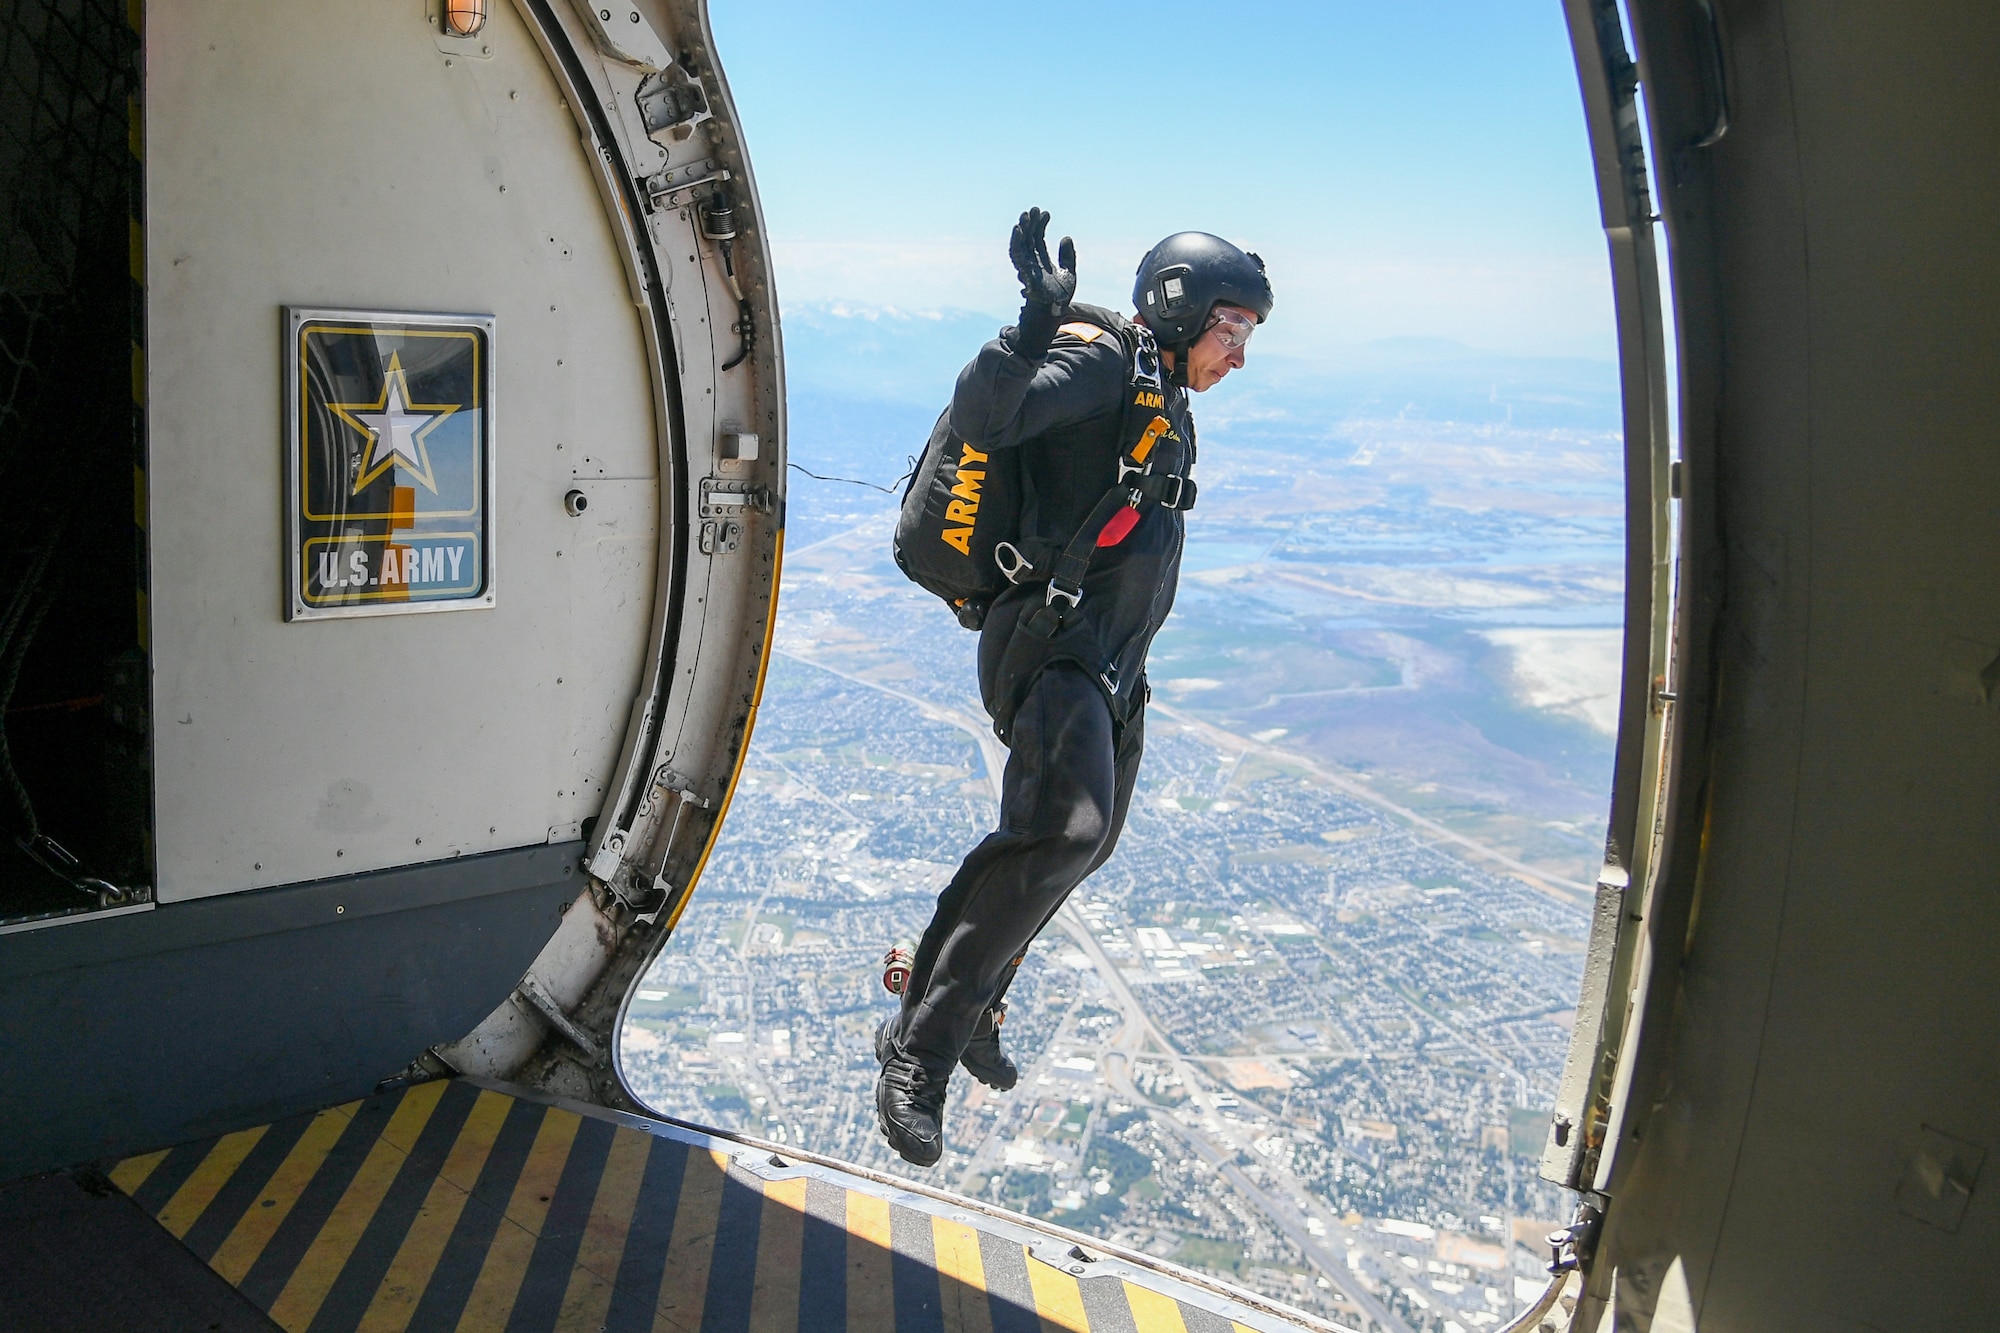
x=1045 y=284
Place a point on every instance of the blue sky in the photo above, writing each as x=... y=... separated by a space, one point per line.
x=1407 y=169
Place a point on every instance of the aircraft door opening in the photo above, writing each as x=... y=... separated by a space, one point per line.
x=74 y=772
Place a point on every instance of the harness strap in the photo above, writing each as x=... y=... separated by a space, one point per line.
x=1137 y=484
x=1065 y=587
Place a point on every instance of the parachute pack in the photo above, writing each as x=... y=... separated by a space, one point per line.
x=958 y=536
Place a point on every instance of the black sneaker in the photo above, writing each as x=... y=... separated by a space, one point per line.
x=909 y=1101
x=983 y=1058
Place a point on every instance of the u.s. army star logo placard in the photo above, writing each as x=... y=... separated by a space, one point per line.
x=389 y=462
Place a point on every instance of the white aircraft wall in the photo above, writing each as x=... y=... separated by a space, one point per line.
x=300 y=158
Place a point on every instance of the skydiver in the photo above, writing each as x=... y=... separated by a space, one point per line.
x=1063 y=679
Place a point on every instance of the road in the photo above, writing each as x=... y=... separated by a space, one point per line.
x=1566 y=890
x=1213 y=1146
x=995 y=754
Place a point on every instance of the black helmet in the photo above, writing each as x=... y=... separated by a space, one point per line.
x=1183 y=277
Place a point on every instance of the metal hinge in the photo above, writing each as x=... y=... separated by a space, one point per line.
x=611 y=856
x=674 y=180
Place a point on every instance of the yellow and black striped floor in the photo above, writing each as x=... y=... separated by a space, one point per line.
x=460 y=1204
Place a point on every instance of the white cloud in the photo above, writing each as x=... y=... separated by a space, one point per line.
x=1536 y=305
x=1526 y=304
x=911 y=277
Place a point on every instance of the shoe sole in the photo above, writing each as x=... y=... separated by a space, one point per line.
x=919 y=1159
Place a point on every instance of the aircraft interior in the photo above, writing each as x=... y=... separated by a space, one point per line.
x=393 y=421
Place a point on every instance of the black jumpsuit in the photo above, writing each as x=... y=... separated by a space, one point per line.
x=1070 y=706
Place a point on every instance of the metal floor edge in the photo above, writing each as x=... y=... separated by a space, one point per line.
x=469 y=1204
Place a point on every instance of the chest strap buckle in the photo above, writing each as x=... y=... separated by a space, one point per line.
x=1048 y=619
x=1170 y=490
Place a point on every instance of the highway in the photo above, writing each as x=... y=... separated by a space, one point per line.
x=1565 y=890
x=1209 y=1137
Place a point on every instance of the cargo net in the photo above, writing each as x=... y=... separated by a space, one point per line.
x=68 y=304
x=66 y=85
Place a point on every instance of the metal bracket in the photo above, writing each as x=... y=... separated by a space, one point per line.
x=671 y=103
x=664 y=185
x=1571 y=1122
x=624 y=34
x=720 y=536
x=1574 y=1244
x=1073 y=1259
x=644 y=907
x=665 y=779
x=651 y=916
x=530 y=993
x=721 y=498
x=604 y=866
x=608 y=865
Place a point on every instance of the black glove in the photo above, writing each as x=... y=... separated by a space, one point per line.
x=1046 y=287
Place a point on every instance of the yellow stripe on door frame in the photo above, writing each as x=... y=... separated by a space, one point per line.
x=781 y=1230
x=961 y=1277
x=871 y=1279
x=133 y=1172
x=1058 y=1298
x=1154 y=1311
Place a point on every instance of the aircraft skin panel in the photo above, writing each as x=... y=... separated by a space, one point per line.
x=716 y=594
x=467 y=1203
x=462 y=753
x=209 y=1016
x=1810 y=1136
x=337 y=157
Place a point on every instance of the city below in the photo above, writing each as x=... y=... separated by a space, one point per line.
x=1303 y=1029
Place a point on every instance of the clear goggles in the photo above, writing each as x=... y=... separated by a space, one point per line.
x=1232 y=328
